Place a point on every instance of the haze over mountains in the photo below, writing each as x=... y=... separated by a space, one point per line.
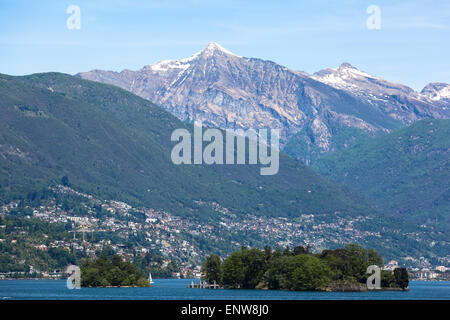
x=327 y=111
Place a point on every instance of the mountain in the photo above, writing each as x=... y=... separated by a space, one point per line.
x=398 y=101
x=109 y=142
x=406 y=172
x=437 y=92
x=110 y=145
x=318 y=113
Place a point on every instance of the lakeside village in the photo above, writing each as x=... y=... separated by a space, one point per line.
x=182 y=240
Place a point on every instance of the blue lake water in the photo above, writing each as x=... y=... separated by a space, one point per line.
x=175 y=289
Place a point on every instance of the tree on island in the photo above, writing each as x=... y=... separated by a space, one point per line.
x=299 y=269
x=309 y=273
x=233 y=272
x=401 y=277
x=212 y=270
x=360 y=259
x=104 y=272
x=297 y=273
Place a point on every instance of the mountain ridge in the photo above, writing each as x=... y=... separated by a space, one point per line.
x=111 y=142
x=225 y=90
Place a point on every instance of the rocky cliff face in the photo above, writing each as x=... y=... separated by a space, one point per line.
x=317 y=114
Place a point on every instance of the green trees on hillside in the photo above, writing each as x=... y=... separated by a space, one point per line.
x=405 y=173
x=20 y=235
x=69 y=148
x=153 y=262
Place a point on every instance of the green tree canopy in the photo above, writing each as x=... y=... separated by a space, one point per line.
x=211 y=269
x=103 y=272
x=299 y=269
x=401 y=277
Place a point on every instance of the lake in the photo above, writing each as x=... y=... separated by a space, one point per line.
x=175 y=289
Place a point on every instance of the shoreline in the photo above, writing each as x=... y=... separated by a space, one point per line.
x=343 y=290
x=170 y=289
x=424 y=280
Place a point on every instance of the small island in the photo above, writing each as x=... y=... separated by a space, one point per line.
x=341 y=269
x=114 y=272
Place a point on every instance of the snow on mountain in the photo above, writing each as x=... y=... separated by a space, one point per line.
x=349 y=78
x=436 y=91
x=398 y=101
x=316 y=113
x=183 y=64
x=213 y=48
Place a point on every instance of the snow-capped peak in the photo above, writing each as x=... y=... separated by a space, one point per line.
x=360 y=83
x=182 y=64
x=342 y=76
x=166 y=65
x=437 y=91
x=214 y=47
x=347 y=70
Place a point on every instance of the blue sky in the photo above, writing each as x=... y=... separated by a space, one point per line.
x=412 y=47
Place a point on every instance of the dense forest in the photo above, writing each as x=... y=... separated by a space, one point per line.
x=299 y=269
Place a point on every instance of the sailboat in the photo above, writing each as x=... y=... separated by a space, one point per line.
x=150 y=280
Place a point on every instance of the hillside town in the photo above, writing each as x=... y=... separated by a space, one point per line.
x=187 y=241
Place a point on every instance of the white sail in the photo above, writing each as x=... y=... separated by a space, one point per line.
x=150 y=280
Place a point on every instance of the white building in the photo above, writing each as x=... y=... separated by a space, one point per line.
x=441 y=268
